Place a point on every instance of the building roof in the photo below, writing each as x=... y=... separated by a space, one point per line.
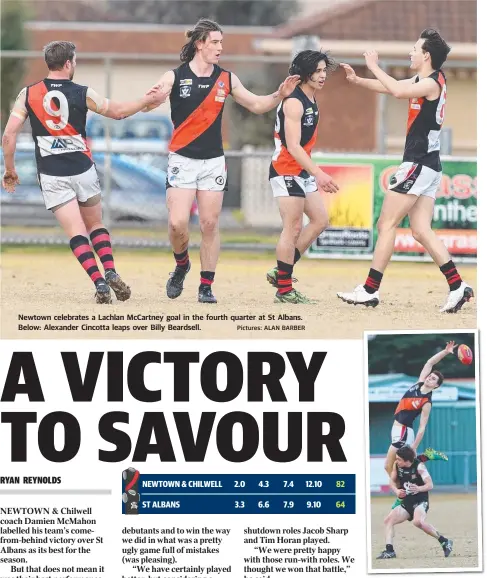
x=389 y=20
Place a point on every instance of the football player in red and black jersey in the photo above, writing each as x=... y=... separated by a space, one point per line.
x=412 y=189
x=198 y=90
x=57 y=108
x=296 y=181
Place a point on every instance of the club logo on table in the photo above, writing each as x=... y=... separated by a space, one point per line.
x=131 y=496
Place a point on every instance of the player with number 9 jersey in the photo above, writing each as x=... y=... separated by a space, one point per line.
x=56 y=108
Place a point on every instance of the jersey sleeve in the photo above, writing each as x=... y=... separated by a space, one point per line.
x=100 y=102
x=19 y=109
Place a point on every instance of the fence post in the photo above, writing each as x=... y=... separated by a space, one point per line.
x=107 y=213
x=381 y=126
x=466 y=471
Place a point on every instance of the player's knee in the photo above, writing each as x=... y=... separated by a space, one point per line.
x=419 y=234
x=385 y=224
x=177 y=225
x=321 y=223
x=292 y=229
x=418 y=523
x=209 y=225
x=296 y=229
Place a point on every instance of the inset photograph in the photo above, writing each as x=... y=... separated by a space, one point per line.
x=423 y=443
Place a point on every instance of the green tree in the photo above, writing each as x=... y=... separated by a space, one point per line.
x=226 y=12
x=409 y=352
x=13 y=38
x=247 y=127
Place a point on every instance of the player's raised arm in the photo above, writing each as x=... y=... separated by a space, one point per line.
x=261 y=104
x=432 y=361
x=293 y=112
x=371 y=83
x=424 y=88
x=9 y=142
x=119 y=110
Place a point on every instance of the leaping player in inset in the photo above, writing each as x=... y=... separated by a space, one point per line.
x=57 y=108
x=417 y=401
x=412 y=190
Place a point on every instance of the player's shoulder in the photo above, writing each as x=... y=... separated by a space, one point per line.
x=297 y=94
x=297 y=98
x=438 y=75
x=293 y=106
x=69 y=85
x=36 y=83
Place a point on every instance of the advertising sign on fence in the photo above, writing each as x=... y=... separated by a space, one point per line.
x=356 y=208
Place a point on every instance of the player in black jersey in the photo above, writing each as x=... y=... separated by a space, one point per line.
x=296 y=181
x=412 y=190
x=57 y=109
x=196 y=165
x=411 y=482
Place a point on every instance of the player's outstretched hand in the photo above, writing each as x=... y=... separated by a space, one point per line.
x=10 y=181
x=350 y=72
x=326 y=183
x=155 y=97
x=287 y=87
x=154 y=88
x=450 y=347
x=371 y=58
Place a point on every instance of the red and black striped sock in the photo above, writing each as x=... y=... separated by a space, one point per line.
x=284 y=277
x=206 y=278
x=372 y=283
x=182 y=259
x=100 y=239
x=297 y=255
x=82 y=251
x=452 y=276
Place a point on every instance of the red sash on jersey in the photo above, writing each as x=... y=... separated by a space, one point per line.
x=202 y=117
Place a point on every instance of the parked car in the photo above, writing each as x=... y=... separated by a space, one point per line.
x=137 y=193
x=146 y=135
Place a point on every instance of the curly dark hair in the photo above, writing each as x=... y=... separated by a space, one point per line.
x=306 y=62
x=406 y=453
x=436 y=46
x=200 y=31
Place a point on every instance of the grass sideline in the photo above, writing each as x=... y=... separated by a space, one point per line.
x=57 y=249
x=227 y=236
